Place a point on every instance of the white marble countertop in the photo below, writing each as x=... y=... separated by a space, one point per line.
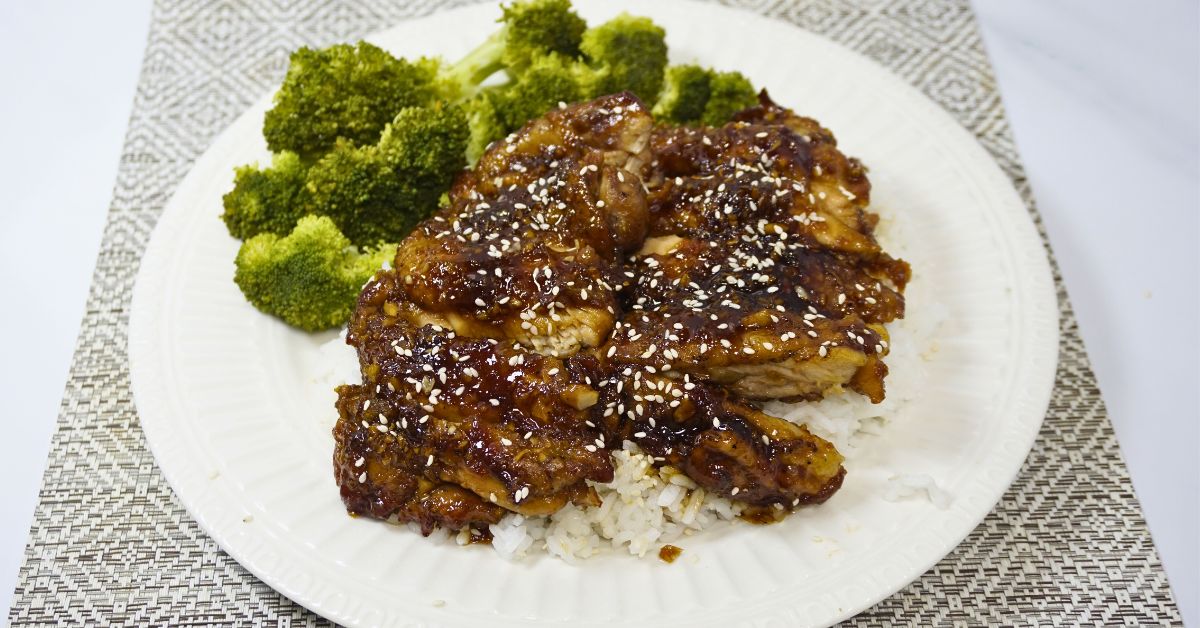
x=1103 y=99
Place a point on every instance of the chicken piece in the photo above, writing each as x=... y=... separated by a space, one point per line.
x=374 y=472
x=767 y=318
x=724 y=445
x=457 y=420
x=769 y=172
x=762 y=272
x=530 y=245
x=504 y=423
x=480 y=394
x=616 y=126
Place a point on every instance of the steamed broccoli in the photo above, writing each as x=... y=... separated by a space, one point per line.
x=371 y=143
x=530 y=29
x=330 y=114
x=269 y=200
x=379 y=193
x=499 y=110
x=309 y=278
x=685 y=91
x=692 y=95
x=345 y=91
x=731 y=92
x=624 y=53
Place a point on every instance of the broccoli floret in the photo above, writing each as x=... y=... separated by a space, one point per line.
x=624 y=53
x=267 y=200
x=730 y=93
x=693 y=95
x=499 y=110
x=530 y=30
x=309 y=278
x=547 y=81
x=685 y=92
x=378 y=193
x=345 y=91
x=485 y=122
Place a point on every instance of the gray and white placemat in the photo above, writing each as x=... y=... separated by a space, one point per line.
x=110 y=544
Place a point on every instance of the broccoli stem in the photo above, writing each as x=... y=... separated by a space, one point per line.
x=479 y=64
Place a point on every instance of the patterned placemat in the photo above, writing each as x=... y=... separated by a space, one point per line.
x=111 y=544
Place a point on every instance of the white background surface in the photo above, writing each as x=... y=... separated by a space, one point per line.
x=1103 y=99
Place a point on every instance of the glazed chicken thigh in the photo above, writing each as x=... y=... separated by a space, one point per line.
x=595 y=280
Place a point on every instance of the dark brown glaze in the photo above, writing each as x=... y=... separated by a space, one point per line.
x=517 y=340
x=506 y=423
x=457 y=419
x=615 y=127
x=373 y=471
x=717 y=440
x=529 y=247
x=767 y=317
x=762 y=271
x=769 y=172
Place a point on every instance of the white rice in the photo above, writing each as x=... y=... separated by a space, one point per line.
x=644 y=507
x=908 y=485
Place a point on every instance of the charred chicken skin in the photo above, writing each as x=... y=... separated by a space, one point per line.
x=594 y=280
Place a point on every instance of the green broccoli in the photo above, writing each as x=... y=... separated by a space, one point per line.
x=379 y=193
x=345 y=91
x=499 y=110
x=692 y=95
x=530 y=29
x=335 y=103
x=626 y=53
x=731 y=92
x=685 y=92
x=269 y=200
x=309 y=278
x=485 y=122
x=371 y=143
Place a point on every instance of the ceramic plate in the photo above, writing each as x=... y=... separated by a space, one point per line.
x=239 y=424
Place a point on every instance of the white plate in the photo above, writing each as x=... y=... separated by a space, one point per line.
x=241 y=430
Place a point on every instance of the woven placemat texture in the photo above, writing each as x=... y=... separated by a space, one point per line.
x=110 y=543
